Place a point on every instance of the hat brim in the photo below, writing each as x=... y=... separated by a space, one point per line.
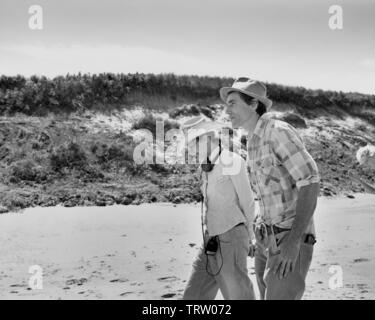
x=224 y=92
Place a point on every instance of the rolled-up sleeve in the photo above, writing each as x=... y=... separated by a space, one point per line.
x=245 y=195
x=291 y=152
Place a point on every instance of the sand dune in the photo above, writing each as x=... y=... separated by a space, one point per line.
x=146 y=251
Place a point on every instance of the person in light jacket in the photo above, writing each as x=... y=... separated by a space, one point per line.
x=227 y=217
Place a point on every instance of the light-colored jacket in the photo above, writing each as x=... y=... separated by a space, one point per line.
x=228 y=198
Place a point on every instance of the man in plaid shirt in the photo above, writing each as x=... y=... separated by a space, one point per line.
x=286 y=180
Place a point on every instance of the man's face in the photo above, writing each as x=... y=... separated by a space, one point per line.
x=238 y=110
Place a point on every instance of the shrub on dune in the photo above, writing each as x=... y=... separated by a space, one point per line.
x=148 y=122
x=193 y=110
x=26 y=170
x=185 y=110
x=293 y=119
x=69 y=155
x=112 y=152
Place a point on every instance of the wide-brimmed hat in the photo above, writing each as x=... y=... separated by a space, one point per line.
x=250 y=87
x=199 y=126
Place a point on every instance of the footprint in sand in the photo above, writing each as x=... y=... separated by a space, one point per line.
x=136 y=283
x=149 y=265
x=362 y=287
x=17 y=285
x=168 y=279
x=361 y=260
x=78 y=282
x=168 y=295
x=96 y=273
x=53 y=272
x=119 y=280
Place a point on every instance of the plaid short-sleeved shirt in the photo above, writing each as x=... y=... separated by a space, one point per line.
x=279 y=165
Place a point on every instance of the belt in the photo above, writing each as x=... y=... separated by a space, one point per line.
x=307 y=238
x=275 y=230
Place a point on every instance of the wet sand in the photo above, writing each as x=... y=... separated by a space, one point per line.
x=146 y=251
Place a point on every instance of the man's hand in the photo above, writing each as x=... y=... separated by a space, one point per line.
x=290 y=246
x=287 y=258
x=261 y=237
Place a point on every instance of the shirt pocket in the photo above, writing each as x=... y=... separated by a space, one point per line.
x=263 y=158
x=267 y=172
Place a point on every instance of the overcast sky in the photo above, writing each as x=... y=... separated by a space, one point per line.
x=287 y=42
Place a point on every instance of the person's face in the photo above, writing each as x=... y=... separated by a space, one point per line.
x=238 y=111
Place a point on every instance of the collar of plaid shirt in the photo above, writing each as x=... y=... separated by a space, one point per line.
x=259 y=127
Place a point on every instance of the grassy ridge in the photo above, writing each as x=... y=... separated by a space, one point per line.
x=70 y=93
x=39 y=95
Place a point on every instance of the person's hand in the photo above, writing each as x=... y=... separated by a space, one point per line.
x=287 y=258
x=261 y=237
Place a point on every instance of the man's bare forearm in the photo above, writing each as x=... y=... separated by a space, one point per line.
x=306 y=204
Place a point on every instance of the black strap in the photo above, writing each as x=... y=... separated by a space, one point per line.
x=207 y=167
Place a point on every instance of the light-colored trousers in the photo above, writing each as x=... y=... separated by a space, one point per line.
x=232 y=280
x=290 y=288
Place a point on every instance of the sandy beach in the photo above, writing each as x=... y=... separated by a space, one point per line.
x=146 y=251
